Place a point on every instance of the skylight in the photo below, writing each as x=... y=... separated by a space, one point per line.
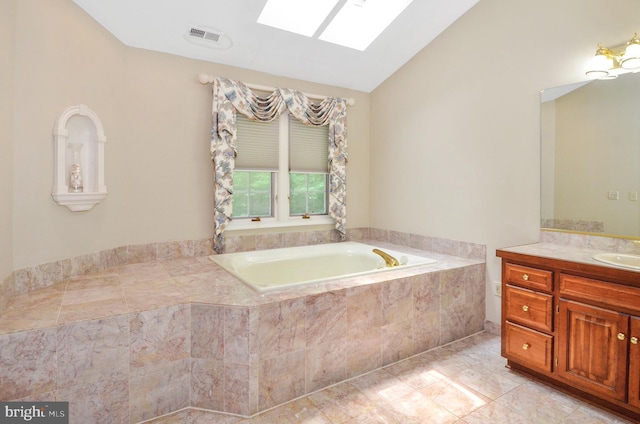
x=300 y=16
x=356 y=25
x=359 y=22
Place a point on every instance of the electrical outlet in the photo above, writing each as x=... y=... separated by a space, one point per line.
x=613 y=195
x=497 y=288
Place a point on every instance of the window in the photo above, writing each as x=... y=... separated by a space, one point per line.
x=283 y=156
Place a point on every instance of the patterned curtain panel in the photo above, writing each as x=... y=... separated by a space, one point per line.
x=230 y=97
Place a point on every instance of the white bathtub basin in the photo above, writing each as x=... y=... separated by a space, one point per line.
x=619 y=259
x=278 y=268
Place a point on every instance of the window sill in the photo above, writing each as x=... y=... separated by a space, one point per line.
x=247 y=224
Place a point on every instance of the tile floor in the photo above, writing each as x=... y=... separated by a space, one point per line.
x=463 y=382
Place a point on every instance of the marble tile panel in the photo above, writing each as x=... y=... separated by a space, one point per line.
x=538 y=403
x=112 y=258
x=396 y=341
x=139 y=253
x=364 y=309
x=426 y=293
x=296 y=412
x=418 y=241
x=326 y=364
x=268 y=241
x=160 y=338
x=154 y=294
x=489 y=384
x=281 y=379
x=204 y=417
x=240 y=389
x=381 y=386
x=472 y=251
x=364 y=352
x=415 y=408
x=103 y=401
x=203 y=247
x=294 y=239
x=28 y=363
x=187 y=266
x=159 y=391
x=137 y=273
x=342 y=402
x=426 y=331
x=415 y=372
x=81 y=265
x=101 y=308
x=319 y=237
x=378 y=234
x=400 y=238
x=240 y=335
x=397 y=300
x=37 y=277
x=446 y=246
x=454 y=397
x=326 y=317
x=207 y=332
x=243 y=243
x=358 y=234
x=92 y=351
x=85 y=290
x=174 y=250
x=37 y=309
x=207 y=384
x=453 y=323
x=281 y=328
x=452 y=288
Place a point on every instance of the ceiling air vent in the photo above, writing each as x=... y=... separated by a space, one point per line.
x=208 y=37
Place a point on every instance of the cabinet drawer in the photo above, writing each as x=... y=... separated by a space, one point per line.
x=615 y=295
x=533 y=278
x=529 y=308
x=528 y=347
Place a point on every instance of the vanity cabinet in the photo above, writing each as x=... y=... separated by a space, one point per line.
x=574 y=325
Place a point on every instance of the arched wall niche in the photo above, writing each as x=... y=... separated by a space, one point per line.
x=78 y=180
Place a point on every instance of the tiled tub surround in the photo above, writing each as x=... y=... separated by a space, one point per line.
x=141 y=340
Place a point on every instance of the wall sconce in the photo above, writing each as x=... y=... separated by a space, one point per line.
x=607 y=64
x=78 y=177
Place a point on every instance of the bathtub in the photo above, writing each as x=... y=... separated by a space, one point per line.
x=265 y=270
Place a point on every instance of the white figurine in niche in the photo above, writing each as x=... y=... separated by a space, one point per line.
x=75 y=177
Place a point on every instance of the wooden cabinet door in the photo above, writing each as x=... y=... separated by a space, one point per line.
x=593 y=349
x=634 y=362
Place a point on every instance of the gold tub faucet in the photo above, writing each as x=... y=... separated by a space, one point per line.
x=389 y=260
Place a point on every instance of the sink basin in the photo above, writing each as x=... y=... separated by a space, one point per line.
x=619 y=259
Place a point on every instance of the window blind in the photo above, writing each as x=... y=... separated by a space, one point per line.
x=257 y=144
x=308 y=147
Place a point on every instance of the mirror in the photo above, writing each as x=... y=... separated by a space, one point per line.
x=590 y=157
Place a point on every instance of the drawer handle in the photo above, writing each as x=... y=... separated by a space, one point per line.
x=633 y=340
x=525 y=308
x=620 y=336
x=525 y=277
x=526 y=346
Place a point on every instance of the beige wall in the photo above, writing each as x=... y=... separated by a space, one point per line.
x=156 y=118
x=7 y=53
x=455 y=133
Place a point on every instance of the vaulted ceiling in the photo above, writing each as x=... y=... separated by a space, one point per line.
x=163 y=25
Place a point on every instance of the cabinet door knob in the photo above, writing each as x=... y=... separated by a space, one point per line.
x=525 y=308
x=526 y=346
x=525 y=277
x=620 y=336
x=633 y=340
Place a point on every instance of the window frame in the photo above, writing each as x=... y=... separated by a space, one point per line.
x=281 y=205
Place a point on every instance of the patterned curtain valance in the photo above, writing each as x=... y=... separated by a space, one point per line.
x=230 y=97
